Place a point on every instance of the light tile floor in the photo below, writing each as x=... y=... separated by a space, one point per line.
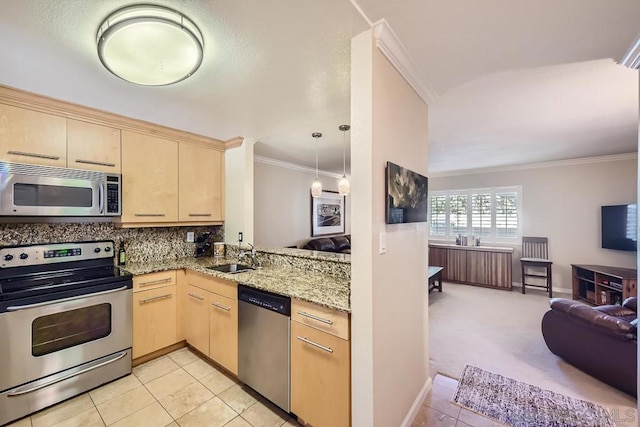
x=179 y=389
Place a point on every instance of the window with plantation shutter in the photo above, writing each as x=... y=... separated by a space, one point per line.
x=438 y=220
x=458 y=213
x=490 y=214
x=481 y=214
x=507 y=214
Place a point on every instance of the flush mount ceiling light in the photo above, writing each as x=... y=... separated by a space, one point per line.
x=150 y=45
x=316 y=187
x=343 y=184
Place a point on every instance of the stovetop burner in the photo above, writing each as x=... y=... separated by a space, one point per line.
x=36 y=273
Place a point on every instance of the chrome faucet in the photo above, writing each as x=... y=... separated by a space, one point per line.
x=252 y=254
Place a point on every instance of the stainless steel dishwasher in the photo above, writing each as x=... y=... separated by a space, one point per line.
x=264 y=330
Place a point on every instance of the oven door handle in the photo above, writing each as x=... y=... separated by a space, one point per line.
x=30 y=389
x=42 y=304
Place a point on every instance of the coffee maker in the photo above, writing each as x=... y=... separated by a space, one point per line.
x=203 y=247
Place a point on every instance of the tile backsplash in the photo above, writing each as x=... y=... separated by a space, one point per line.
x=142 y=244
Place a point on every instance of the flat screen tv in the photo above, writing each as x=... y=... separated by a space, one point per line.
x=406 y=195
x=620 y=227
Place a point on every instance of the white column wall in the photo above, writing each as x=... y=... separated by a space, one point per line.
x=388 y=291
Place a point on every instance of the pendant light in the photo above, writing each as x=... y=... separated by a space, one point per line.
x=316 y=187
x=343 y=184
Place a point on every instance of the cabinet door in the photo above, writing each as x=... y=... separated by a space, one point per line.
x=320 y=377
x=93 y=147
x=32 y=137
x=456 y=265
x=478 y=263
x=196 y=318
x=154 y=320
x=438 y=258
x=201 y=183
x=223 y=331
x=149 y=178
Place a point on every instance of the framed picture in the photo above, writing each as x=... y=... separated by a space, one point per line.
x=327 y=214
x=406 y=195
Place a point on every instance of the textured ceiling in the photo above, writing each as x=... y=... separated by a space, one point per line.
x=517 y=81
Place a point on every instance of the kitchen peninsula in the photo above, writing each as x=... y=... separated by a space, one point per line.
x=184 y=301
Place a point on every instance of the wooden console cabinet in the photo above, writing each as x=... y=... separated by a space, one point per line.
x=473 y=265
x=603 y=285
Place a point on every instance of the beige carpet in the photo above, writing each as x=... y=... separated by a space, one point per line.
x=499 y=331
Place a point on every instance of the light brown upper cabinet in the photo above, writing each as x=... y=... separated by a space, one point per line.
x=93 y=147
x=149 y=179
x=201 y=183
x=28 y=136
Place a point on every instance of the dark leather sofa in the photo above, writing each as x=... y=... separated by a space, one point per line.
x=340 y=244
x=601 y=341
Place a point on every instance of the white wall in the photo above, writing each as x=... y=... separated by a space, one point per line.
x=239 y=210
x=282 y=203
x=563 y=203
x=388 y=291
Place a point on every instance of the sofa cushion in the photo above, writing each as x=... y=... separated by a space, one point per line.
x=321 y=244
x=341 y=243
x=617 y=323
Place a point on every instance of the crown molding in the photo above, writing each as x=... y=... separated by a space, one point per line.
x=390 y=45
x=538 y=165
x=233 y=142
x=293 y=166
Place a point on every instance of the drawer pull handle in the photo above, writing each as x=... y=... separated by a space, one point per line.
x=155 y=282
x=91 y=162
x=198 y=297
x=149 y=214
x=39 y=156
x=221 y=306
x=315 y=344
x=319 y=319
x=144 y=301
x=196 y=214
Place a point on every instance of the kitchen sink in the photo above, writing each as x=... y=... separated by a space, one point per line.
x=231 y=268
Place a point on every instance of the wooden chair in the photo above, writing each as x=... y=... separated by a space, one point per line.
x=535 y=255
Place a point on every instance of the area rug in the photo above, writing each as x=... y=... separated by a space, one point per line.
x=520 y=404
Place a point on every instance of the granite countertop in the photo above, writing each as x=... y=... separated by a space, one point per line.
x=318 y=288
x=472 y=248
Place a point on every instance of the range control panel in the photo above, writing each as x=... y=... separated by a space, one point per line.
x=22 y=256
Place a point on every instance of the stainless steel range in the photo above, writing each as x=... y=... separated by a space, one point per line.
x=65 y=323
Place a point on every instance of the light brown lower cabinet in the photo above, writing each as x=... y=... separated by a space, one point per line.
x=154 y=319
x=223 y=331
x=320 y=377
x=211 y=318
x=197 y=317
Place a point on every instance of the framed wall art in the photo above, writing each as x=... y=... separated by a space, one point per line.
x=406 y=195
x=327 y=214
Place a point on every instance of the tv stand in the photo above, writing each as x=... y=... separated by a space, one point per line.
x=603 y=285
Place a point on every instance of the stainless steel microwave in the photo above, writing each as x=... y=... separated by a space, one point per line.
x=33 y=190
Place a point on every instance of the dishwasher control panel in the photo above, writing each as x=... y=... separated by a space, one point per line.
x=267 y=300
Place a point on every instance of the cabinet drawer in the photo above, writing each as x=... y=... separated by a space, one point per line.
x=320 y=377
x=222 y=287
x=154 y=280
x=324 y=319
x=154 y=320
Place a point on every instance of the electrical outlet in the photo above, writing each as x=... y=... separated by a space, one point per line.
x=190 y=236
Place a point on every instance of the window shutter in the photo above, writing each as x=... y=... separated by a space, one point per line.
x=458 y=213
x=438 y=222
x=481 y=214
x=507 y=214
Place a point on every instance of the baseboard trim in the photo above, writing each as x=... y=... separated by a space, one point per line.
x=417 y=403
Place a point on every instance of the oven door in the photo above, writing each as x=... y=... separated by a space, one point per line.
x=35 y=195
x=45 y=338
